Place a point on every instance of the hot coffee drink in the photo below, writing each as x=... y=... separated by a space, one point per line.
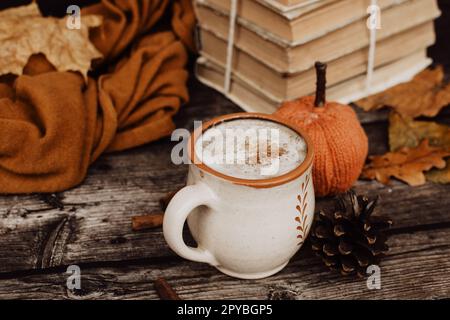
x=251 y=149
x=248 y=221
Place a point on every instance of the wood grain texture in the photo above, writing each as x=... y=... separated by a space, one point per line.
x=416 y=267
x=92 y=228
x=95 y=221
x=95 y=224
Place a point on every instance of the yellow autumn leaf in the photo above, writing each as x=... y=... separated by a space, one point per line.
x=24 y=32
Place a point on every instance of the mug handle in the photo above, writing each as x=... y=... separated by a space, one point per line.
x=179 y=208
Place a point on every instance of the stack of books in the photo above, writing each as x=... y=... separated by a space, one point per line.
x=277 y=42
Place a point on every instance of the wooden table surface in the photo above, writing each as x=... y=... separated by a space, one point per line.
x=93 y=230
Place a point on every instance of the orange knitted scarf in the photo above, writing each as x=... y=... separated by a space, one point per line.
x=53 y=125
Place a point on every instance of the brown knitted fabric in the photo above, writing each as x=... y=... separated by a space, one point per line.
x=53 y=125
x=340 y=142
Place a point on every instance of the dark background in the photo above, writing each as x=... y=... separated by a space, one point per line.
x=48 y=7
x=440 y=52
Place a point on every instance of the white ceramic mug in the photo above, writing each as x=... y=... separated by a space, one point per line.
x=248 y=229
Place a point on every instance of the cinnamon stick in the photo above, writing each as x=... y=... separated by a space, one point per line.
x=147 y=221
x=164 y=290
x=321 y=81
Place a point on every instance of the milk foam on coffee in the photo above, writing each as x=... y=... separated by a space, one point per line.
x=251 y=149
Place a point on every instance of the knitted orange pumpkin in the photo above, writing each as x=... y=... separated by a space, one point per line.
x=340 y=142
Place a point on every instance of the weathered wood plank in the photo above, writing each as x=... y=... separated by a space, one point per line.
x=416 y=267
x=95 y=223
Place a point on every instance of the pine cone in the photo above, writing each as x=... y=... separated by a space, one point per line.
x=349 y=238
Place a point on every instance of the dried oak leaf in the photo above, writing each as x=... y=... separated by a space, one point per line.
x=406 y=132
x=425 y=95
x=406 y=164
x=24 y=32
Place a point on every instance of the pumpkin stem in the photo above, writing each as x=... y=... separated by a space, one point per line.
x=321 y=70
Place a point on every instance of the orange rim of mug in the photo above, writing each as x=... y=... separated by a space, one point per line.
x=256 y=183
